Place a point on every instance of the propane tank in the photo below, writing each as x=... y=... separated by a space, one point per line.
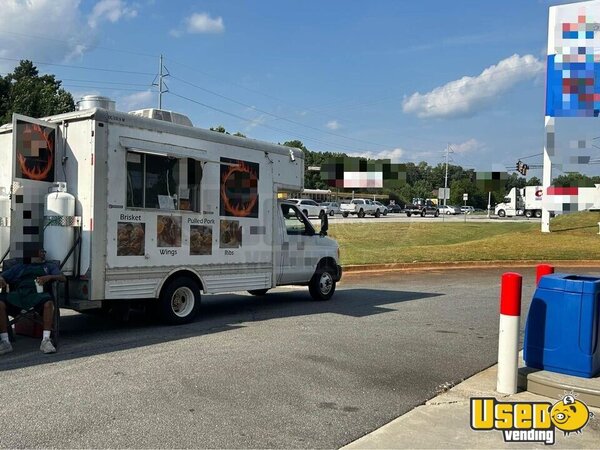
x=59 y=234
x=4 y=222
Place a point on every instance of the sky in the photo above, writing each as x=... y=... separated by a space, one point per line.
x=382 y=79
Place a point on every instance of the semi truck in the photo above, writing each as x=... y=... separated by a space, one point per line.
x=142 y=211
x=525 y=201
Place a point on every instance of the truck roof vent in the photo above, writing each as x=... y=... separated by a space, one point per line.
x=161 y=114
x=95 y=101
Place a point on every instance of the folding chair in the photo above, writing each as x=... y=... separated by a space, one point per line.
x=31 y=314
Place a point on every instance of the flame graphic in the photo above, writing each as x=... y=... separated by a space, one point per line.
x=240 y=208
x=36 y=172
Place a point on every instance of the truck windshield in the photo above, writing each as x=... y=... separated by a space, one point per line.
x=295 y=221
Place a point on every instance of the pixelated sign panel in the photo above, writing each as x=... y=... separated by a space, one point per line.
x=573 y=73
x=34 y=151
x=362 y=173
x=239 y=188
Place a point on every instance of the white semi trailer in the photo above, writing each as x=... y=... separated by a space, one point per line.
x=139 y=210
x=525 y=201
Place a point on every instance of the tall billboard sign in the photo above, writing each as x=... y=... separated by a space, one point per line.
x=572 y=89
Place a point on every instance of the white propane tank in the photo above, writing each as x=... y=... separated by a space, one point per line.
x=59 y=234
x=4 y=222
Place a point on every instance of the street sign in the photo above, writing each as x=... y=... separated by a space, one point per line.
x=465 y=197
x=444 y=193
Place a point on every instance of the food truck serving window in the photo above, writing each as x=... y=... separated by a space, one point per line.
x=163 y=182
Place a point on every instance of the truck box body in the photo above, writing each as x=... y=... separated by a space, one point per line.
x=156 y=200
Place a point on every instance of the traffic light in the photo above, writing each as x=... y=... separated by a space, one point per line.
x=522 y=168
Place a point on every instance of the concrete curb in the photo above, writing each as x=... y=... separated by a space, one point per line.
x=357 y=268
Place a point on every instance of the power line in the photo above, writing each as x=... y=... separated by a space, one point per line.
x=277 y=116
x=305 y=137
x=95 y=47
x=80 y=67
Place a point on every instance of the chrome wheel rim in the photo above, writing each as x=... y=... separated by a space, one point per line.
x=325 y=283
x=182 y=301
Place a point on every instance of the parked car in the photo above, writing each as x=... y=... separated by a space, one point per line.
x=467 y=209
x=310 y=208
x=394 y=208
x=360 y=207
x=449 y=209
x=331 y=208
x=384 y=209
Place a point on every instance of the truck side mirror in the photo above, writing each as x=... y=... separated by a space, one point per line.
x=324 y=225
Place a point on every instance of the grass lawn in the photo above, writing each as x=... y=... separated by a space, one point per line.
x=573 y=237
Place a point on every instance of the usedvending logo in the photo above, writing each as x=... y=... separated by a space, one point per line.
x=530 y=421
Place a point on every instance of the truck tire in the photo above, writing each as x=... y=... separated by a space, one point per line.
x=408 y=214
x=258 y=292
x=501 y=213
x=377 y=213
x=423 y=213
x=361 y=213
x=528 y=214
x=538 y=213
x=322 y=284
x=321 y=214
x=179 y=301
x=436 y=213
x=344 y=214
x=331 y=213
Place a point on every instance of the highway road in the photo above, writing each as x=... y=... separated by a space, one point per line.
x=281 y=371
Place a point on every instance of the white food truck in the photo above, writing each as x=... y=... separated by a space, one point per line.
x=142 y=210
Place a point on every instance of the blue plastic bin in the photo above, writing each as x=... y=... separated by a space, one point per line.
x=562 y=331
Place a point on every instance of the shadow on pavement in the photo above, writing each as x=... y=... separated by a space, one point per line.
x=86 y=335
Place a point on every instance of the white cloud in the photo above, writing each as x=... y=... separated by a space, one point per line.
x=53 y=30
x=110 y=10
x=394 y=155
x=22 y=37
x=466 y=96
x=135 y=101
x=200 y=23
x=467 y=147
x=333 y=125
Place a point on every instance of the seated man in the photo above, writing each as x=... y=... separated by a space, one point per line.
x=24 y=295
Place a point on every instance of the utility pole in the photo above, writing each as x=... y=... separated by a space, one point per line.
x=446 y=177
x=161 y=83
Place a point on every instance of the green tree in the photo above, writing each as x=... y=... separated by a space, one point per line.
x=575 y=179
x=24 y=91
x=534 y=181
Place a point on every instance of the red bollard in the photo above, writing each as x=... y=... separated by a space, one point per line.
x=508 y=336
x=543 y=269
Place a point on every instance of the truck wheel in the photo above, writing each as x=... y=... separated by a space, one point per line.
x=258 y=292
x=345 y=214
x=501 y=213
x=408 y=214
x=385 y=213
x=538 y=213
x=179 y=301
x=322 y=284
x=377 y=213
x=423 y=213
x=331 y=213
x=361 y=213
x=437 y=213
x=528 y=214
x=321 y=214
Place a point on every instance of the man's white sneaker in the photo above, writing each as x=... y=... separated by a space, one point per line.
x=47 y=347
x=5 y=347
